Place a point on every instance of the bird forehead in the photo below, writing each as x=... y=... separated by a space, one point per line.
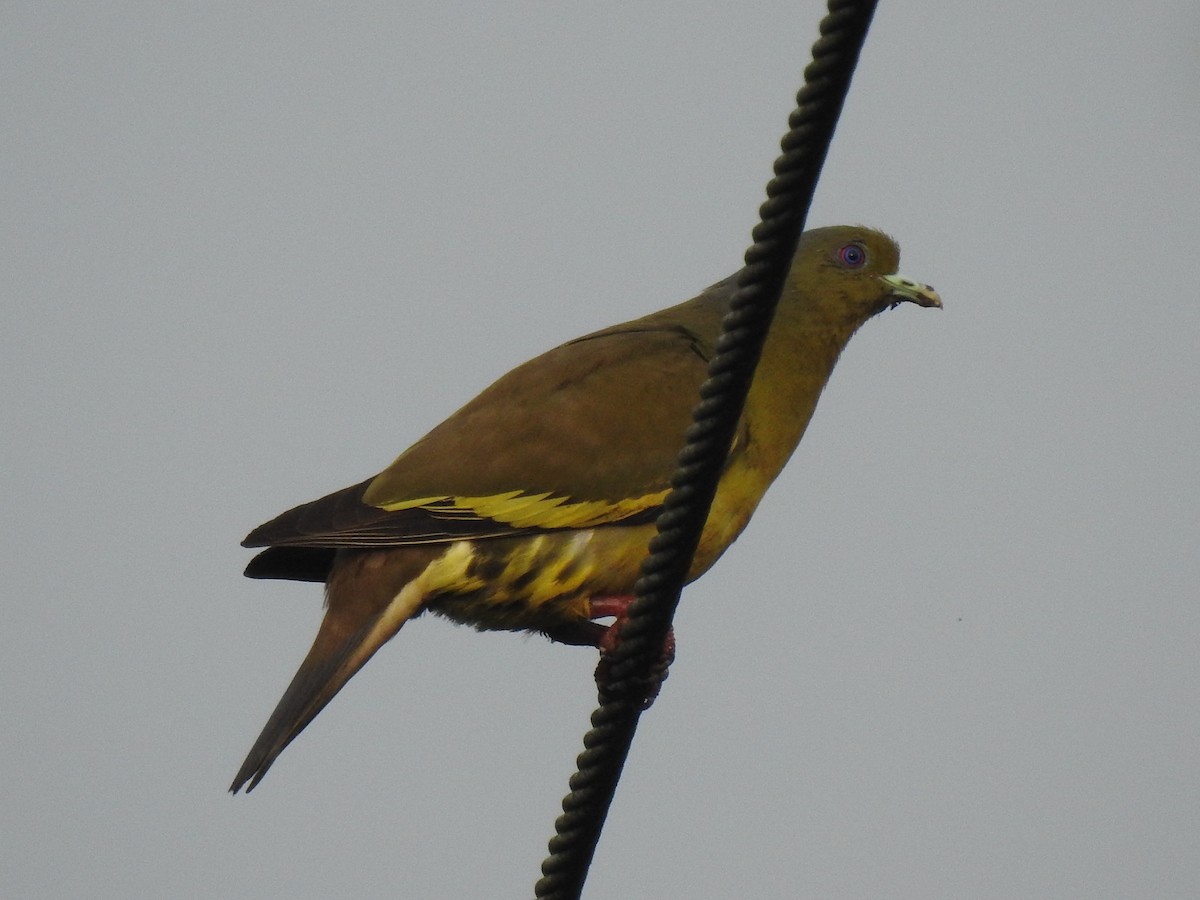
x=882 y=249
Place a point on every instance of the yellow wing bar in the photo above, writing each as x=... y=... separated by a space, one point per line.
x=520 y=510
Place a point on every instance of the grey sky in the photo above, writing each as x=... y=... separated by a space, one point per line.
x=250 y=254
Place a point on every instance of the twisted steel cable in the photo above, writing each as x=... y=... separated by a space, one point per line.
x=632 y=663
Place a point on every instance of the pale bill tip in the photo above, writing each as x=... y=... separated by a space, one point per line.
x=912 y=291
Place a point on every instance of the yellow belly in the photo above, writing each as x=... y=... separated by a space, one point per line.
x=541 y=582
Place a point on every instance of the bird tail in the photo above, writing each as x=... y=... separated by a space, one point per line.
x=359 y=619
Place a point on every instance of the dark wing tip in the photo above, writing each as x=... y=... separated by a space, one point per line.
x=292 y=563
x=301 y=524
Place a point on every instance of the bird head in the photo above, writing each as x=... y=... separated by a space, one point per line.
x=850 y=273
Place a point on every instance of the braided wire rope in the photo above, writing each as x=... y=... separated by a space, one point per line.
x=632 y=662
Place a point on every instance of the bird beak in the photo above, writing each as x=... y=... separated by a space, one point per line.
x=902 y=290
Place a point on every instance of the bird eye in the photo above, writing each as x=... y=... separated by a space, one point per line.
x=852 y=256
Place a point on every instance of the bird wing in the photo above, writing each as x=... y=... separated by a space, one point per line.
x=584 y=435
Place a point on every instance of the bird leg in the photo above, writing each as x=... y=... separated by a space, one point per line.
x=618 y=606
x=606 y=637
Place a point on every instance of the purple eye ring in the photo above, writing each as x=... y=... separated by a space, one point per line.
x=852 y=256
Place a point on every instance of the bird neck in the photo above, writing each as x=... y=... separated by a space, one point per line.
x=798 y=357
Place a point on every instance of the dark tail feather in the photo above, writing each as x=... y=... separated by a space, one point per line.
x=314 y=685
x=350 y=634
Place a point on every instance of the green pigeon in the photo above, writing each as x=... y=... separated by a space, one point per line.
x=531 y=508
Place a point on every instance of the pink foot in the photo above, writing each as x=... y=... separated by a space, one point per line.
x=618 y=606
